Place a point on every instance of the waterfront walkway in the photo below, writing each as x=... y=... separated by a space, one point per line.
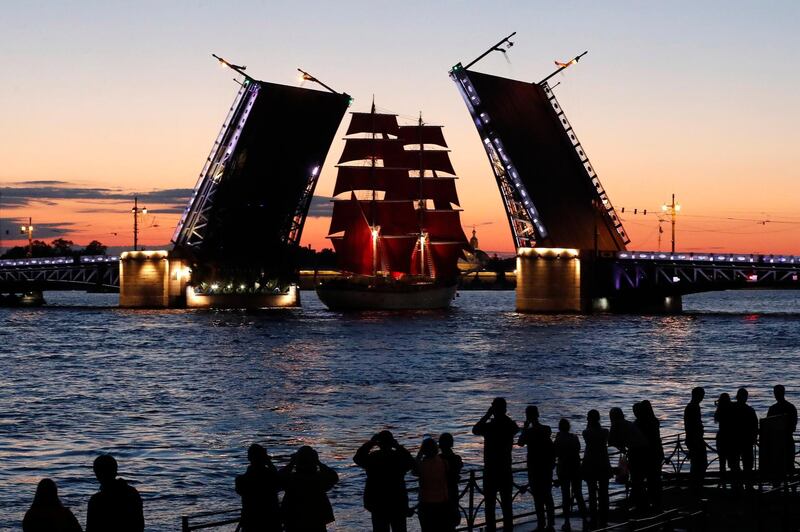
x=718 y=507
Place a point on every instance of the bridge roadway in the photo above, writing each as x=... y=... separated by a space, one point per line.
x=629 y=272
x=625 y=274
x=90 y=273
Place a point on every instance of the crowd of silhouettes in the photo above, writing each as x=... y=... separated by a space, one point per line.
x=738 y=431
x=305 y=481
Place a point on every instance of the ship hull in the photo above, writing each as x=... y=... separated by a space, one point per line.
x=344 y=296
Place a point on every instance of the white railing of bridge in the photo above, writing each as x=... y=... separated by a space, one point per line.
x=58 y=261
x=709 y=257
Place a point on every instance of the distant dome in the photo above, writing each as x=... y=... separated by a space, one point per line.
x=474 y=240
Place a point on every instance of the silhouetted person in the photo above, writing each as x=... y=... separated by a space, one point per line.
x=498 y=432
x=568 y=468
x=651 y=429
x=627 y=437
x=306 y=481
x=47 y=514
x=258 y=487
x=726 y=439
x=454 y=466
x=117 y=506
x=787 y=411
x=745 y=435
x=541 y=461
x=596 y=469
x=385 y=497
x=695 y=440
x=434 y=508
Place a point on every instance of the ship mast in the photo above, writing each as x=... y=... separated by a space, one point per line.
x=374 y=230
x=421 y=202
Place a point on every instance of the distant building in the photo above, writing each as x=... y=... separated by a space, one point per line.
x=473 y=242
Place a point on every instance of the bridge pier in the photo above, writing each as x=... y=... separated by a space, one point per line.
x=549 y=280
x=564 y=280
x=151 y=279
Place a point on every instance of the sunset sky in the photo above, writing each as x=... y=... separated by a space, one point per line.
x=101 y=100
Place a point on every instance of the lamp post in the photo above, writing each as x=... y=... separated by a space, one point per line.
x=137 y=211
x=23 y=229
x=672 y=210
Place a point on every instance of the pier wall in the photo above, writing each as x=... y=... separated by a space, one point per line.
x=151 y=279
x=549 y=280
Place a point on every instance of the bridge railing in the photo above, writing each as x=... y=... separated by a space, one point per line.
x=710 y=257
x=57 y=261
x=471 y=498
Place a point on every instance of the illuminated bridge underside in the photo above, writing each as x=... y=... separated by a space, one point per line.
x=631 y=273
x=550 y=190
x=253 y=195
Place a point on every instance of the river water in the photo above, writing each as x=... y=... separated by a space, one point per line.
x=177 y=396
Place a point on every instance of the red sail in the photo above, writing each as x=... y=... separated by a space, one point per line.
x=444 y=226
x=364 y=149
x=439 y=189
x=345 y=214
x=438 y=160
x=354 y=249
x=395 y=218
x=369 y=178
x=372 y=123
x=422 y=135
x=397 y=253
x=445 y=258
x=396 y=183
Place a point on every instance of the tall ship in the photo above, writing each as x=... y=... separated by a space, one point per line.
x=396 y=224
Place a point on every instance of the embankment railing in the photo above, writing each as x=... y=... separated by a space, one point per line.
x=472 y=504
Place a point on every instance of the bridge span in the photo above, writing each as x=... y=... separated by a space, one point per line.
x=96 y=273
x=549 y=279
x=571 y=280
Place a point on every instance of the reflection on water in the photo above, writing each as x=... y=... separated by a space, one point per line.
x=178 y=396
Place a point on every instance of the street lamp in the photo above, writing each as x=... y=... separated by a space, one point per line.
x=672 y=210
x=137 y=211
x=23 y=229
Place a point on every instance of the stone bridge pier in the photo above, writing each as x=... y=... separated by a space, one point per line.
x=565 y=280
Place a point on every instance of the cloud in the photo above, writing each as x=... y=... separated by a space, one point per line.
x=49 y=191
x=321 y=207
x=9 y=229
x=43 y=182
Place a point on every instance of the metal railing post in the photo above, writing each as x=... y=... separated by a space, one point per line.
x=185 y=523
x=471 y=513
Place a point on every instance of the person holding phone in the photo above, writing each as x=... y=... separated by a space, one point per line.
x=385 y=495
x=306 y=481
x=498 y=431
